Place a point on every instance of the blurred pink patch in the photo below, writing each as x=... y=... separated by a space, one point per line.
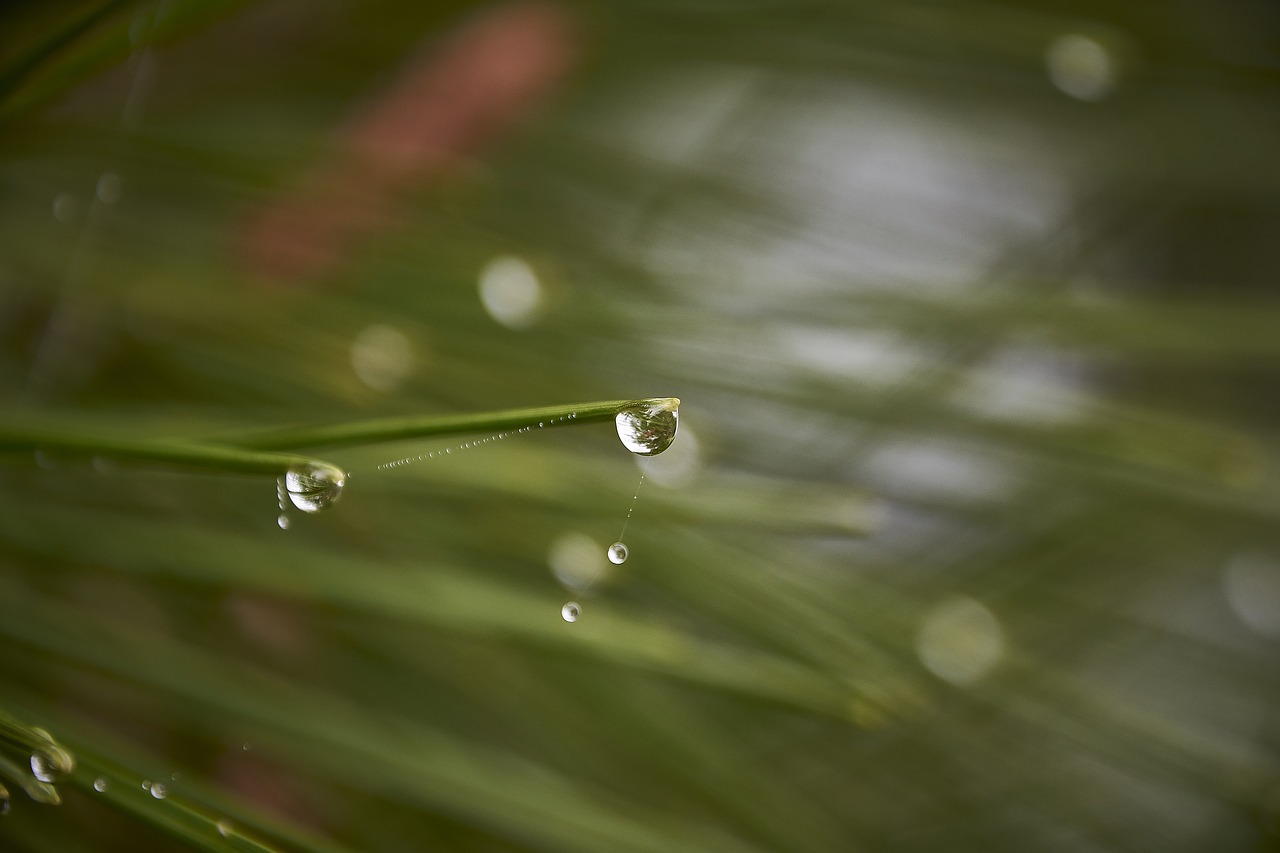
x=443 y=108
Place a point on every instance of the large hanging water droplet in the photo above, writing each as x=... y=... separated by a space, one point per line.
x=51 y=761
x=618 y=553
x=571 y=611
x=42 y=768
x=313 y=486
x=649 y=431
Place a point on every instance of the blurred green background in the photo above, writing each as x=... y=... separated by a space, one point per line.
x=969 y=537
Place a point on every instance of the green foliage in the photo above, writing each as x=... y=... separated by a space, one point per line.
x=970 y=538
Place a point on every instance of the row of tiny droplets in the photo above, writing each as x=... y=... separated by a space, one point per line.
x=409 y=460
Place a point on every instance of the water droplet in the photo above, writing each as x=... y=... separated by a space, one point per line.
x=100 y=784
x=571 y=611
x=283 y=521
x=960 y=640
x=1251 y=583
x=510 y=292
x=4 y=800
x=575 y=560
x=224 y=827
x=246 y=746
x=159 y=791
x=175 y=776
x=618 y=553
x=65 y=208
x=1081 y=67
x=146 y=785
x=382 y=357
x=313 y=486
x=649 y=431
x=42 y=768
x=108 y=189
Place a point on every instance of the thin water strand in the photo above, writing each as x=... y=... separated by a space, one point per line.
x=468 y=445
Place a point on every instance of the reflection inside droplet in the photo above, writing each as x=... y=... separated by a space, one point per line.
x=313 y=486
x=571 y=611
x=649 y=431
x=618 y=553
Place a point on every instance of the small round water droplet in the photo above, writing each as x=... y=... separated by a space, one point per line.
x=159 y=791
x=146 y=785
x=618 y=553
x=283 y=521
x=100 y=784
x=313 y=486
x=649 y=431
x=246 y=746
x=571 y=611
x=224 y=827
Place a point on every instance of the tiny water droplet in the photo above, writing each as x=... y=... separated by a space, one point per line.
x=283 y=521
x=146 y=785
x=108 y=189
x=618 y=553
x=571 y=611
x=175 y=776
x=313 y=486
x=159 y=791
x=42 y=768
x=224 y=827
x=100 y=784
x=65 y=208
x=649 y=431
x=247 y=746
